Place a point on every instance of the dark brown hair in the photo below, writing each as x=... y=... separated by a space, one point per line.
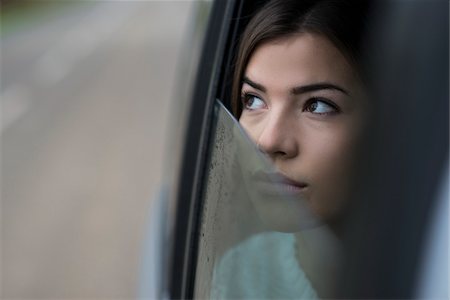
x=341 y=21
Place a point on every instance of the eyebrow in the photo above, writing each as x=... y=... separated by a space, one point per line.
x=299 y=89
x=254 y=84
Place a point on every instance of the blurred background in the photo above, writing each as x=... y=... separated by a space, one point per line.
x=91 y=94
x=86 y=89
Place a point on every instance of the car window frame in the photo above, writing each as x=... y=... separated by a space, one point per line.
x=192 y=173
x=227 y=20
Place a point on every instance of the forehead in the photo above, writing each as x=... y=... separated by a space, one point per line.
x=301 y=59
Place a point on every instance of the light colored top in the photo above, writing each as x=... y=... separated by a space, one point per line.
x=262 y=267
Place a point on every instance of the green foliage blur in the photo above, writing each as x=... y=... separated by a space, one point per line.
x=16 y=15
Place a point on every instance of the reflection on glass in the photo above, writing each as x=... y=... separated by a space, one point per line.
x=258 y=239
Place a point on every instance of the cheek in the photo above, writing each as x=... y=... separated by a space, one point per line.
x=329 y=150
x=331 y=164
x=330 y=169
x=251 y=128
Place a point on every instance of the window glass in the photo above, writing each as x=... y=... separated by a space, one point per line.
x=86 y=103
x=267 y=235
x=253 y=231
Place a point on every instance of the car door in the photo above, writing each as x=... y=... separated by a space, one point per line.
x=382 y=258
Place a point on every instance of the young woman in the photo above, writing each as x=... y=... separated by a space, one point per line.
x=298 y=93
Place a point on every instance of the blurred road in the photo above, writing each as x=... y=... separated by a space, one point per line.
x=85 y=98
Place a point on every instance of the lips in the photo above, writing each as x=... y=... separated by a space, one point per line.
x=289 y=181
x=277 y=183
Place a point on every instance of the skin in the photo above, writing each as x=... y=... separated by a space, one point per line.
x=305 y=107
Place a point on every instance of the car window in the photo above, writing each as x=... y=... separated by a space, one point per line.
x=256 y=241
x=249 y=232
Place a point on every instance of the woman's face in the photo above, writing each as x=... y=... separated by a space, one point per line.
x=303 y=105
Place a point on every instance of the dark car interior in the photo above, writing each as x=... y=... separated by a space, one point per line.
x=407 y=156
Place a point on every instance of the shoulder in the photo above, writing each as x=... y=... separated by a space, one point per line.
x=263 y=266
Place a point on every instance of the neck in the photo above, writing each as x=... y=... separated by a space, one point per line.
x=319 y=253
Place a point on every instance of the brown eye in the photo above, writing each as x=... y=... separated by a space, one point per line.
x=252 y=102
x=320 y=106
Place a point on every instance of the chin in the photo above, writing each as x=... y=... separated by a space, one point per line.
x=286 y=213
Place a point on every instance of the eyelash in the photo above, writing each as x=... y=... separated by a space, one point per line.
x=307 y=108
x=245 y=97
x=323 y=100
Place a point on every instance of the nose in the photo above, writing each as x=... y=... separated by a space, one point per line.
x=278 y=137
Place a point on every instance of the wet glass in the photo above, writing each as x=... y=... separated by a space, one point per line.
x=254 y=232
